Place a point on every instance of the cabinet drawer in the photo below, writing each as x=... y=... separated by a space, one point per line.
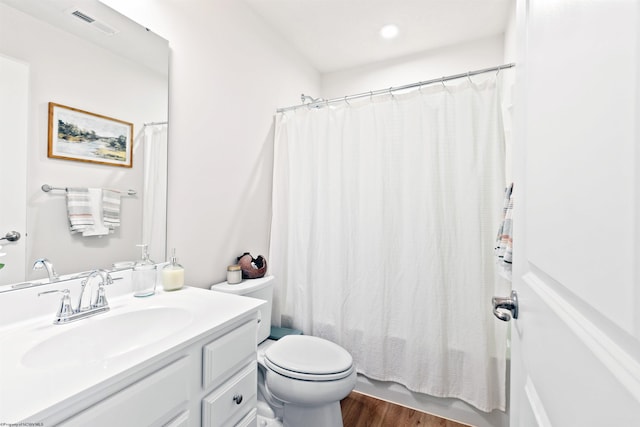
x=251 y=420
x=228 y=353
x=232 y=401
x=182 y=420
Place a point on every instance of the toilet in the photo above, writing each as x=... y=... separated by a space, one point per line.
x=301 y=378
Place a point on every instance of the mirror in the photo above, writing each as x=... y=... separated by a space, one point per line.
x=84 y=55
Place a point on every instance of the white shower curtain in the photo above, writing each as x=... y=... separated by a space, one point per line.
x=385 y=213
x=154 y=204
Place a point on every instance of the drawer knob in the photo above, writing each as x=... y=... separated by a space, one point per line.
x=237 y=398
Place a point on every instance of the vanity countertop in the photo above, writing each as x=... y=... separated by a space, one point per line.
x=43 y=365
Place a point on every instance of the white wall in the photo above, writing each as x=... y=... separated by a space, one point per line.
x=510 y=42
x=68 y=70
x=474 y=55
x=229 y=73
x=508 y=84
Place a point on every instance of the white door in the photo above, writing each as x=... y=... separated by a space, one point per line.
x=576 y=343
x=14 y=97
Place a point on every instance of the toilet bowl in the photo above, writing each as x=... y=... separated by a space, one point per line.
x=301 y=378
x=310 y=376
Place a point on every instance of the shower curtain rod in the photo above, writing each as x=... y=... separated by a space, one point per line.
x=323 y=102
x=156 y=123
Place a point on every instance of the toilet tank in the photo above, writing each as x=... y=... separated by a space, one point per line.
x=261 y=288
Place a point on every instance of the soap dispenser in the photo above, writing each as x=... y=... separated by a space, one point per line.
x=144 y=275
x=173 y=274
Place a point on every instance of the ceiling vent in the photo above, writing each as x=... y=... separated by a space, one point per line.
x=100 y=26
x=82 y=16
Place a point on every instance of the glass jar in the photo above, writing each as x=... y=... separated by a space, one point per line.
x=234 y=274
x=144 y=275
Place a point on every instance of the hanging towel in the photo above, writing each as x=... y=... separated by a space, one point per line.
x=111 y=208
x=95 y=202
x=504 y=240
x=79 y=209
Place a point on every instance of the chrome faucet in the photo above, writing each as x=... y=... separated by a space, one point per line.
x=100 y=299
x=41 y=263
x=95 y=306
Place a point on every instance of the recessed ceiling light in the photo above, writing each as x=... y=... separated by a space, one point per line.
x=389 y=31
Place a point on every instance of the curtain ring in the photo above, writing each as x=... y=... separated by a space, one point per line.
x=371 y=95
x=347 y=101
x=442 y=81
x=391 y=92
x=469 y=77
x=420 y=88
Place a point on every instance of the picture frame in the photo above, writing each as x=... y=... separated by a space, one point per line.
x=82 y=136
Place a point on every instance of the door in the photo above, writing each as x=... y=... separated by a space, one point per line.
x=14 y=96
x=576 y=343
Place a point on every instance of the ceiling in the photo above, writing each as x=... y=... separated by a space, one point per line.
x=341 y=34
x=109 y=29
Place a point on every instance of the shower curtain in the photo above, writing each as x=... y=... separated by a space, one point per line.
x=385 y=214
x=154 y=204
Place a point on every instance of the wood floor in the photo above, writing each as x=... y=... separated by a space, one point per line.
x=359 y=410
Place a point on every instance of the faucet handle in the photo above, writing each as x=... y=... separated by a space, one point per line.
x=101 y=296
x=65 y=309
x=109 y=280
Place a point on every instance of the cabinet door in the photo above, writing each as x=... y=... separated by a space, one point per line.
x=227 y=354
x=144 y=403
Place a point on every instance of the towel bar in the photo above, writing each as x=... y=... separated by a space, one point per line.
x=46 y=188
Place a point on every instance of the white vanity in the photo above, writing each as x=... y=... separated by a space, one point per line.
x=183 y=358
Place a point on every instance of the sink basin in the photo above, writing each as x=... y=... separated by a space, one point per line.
x=96 y=340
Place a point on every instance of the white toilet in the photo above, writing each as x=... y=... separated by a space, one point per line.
x=301 y=378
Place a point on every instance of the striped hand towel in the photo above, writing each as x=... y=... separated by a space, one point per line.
x=79 y=209
x=504 y=240
x=111 y=208
x=95 y=201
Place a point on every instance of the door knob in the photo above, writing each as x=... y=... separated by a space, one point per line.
x=505 y=308
x=11 y=236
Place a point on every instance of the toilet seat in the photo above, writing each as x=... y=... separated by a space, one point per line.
x=308 y=358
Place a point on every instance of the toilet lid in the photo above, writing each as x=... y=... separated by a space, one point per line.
x=309 y=358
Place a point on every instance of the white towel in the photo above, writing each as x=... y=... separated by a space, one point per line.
x=95 y=203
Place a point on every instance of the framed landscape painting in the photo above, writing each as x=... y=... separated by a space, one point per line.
x=87 y=137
